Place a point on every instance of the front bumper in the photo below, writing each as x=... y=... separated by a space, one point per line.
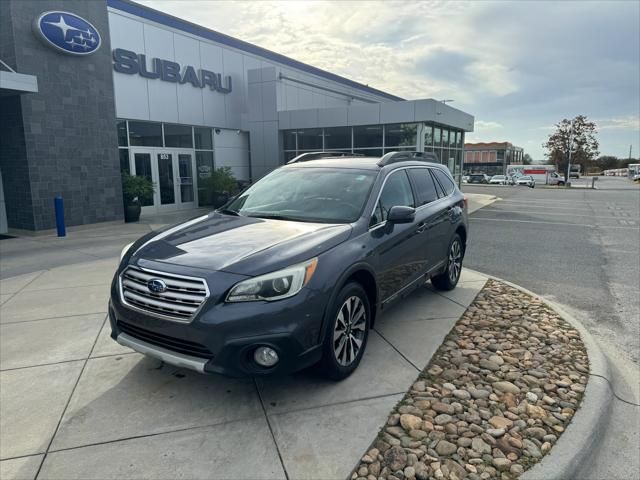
x=222 y=337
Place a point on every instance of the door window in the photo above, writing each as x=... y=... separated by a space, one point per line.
x=397 y=191
x=425 y=188
x=186 y=177
x=165 y=179
x=142 y=163
x=444 y=180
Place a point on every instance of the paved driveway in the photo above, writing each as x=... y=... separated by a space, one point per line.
x=74 y=404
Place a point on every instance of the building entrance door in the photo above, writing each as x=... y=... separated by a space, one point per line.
x=172 y=173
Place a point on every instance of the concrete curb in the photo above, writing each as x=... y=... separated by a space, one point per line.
x=580 y=438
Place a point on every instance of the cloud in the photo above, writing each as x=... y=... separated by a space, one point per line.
x=482 y=125
x=625 y=123
x=522 y=64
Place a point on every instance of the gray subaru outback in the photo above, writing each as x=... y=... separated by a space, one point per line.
x=295 y=270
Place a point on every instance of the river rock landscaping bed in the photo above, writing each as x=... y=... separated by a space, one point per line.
x=492 y=402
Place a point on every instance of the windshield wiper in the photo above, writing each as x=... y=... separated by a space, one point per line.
x=275 y=216
x=229 y=211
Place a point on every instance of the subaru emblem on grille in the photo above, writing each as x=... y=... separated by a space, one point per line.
x=156 y=285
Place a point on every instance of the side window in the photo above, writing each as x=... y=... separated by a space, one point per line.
x=425 y=187
x=438 y=186
x=397 y=191
x=444 y=180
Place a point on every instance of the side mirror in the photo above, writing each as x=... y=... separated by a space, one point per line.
x=401 y=214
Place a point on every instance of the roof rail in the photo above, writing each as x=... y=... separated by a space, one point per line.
x=395 y=157
x=305 y=157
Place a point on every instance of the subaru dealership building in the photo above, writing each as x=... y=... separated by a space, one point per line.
x=89 y=90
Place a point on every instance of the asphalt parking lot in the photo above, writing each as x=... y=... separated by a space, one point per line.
x=75 y=404
x=580 y=248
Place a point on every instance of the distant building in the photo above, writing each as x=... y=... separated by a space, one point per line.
x=490 y=158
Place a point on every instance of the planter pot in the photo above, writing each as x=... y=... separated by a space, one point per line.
x=132 y=213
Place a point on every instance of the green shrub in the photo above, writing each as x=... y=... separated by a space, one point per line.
x=134 y=187
x=219 y=187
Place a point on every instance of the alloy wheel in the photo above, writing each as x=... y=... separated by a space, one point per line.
x=349 y=330
x=455 y=261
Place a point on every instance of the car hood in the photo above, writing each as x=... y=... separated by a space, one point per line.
x=241 y=245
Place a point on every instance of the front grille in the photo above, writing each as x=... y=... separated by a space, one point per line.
x=170 y=343
x=180 y=301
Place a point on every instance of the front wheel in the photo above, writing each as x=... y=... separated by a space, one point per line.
x=346 y=334
x=448 y=279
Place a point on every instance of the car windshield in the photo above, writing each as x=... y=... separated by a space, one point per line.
x=307 y=195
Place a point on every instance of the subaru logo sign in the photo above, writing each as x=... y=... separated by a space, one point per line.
x=67 y=32
x=155 y=285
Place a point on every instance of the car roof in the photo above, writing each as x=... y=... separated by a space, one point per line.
x=362 y=163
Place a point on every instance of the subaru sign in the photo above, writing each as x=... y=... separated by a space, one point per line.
x=132 y=63
x=67 y=32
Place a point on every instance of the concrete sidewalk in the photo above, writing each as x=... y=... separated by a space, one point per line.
x=74 y=404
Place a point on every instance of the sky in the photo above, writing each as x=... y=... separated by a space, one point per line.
x=518 y=66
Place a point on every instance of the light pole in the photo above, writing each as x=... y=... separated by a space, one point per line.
x=568 y=179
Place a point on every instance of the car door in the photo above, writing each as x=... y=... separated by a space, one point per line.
x=396 y=246
x=448 y=212
x=428 y=215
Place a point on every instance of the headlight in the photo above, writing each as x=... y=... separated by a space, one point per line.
x=125 y=250
x=274 y=286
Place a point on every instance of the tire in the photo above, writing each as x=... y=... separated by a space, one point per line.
x=448 y=279
x=338 y=357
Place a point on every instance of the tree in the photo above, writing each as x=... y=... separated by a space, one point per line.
x=581 y=142
x=526 y=159
x=608 y=162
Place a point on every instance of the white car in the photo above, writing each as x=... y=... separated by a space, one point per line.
x=526 y=180
x=498 y=179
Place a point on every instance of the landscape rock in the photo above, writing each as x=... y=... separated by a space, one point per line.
x=497 y=394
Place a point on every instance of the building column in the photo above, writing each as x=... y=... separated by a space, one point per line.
x=264 y=137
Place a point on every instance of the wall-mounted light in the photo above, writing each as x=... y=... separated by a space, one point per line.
x=217 y=130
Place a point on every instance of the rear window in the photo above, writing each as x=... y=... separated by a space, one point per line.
x=445 y=181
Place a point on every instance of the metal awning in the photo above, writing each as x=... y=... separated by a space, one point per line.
x=14 y=83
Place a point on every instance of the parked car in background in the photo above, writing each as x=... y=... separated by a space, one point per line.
x=498 y=179
x=526 y=180
x=478 y=178
x=554 y=179
x=465 y=179
x=296 y=269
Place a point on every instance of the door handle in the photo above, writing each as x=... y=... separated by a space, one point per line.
x=422 y=226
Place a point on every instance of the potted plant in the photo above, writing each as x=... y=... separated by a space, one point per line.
x=220 y=186
x=135 y=191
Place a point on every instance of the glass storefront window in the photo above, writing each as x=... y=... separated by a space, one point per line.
x=369 y=152
x=122 y=133
x=310 y=139
x=445 y=138
x=204 y=168
x=124 y=161
x=369 y=136
x=289 y=156
x=437 y=136
x=289 y=139
x=202 y=137
x=145 y=134
x=177 y=136
x=400 y=134
x=428 y=136
x=338 y=138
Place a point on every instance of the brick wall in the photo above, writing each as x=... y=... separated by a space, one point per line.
x=69 y=126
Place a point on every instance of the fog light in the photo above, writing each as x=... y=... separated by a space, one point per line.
x=265 y=356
